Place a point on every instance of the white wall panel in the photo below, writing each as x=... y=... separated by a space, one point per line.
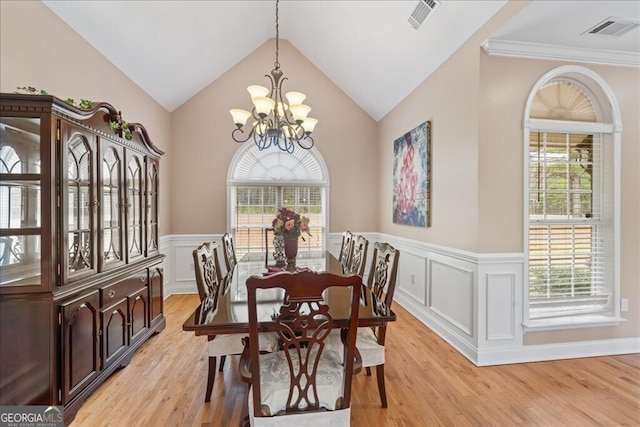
x=412 y=276
x=451 y=294
x=500 y=319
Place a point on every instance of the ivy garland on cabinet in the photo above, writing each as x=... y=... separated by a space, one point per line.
x=117 y=125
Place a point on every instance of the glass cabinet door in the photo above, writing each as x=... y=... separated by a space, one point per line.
x=20 y=202
x=112 y=205
x=152 y=206
x=81 y=202
x=134 y=212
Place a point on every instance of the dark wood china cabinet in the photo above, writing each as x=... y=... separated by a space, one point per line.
x=80 y=272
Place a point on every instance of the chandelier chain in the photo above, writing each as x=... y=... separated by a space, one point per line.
x=277 y=63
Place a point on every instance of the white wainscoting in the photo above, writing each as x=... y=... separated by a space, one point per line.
x=473 y=301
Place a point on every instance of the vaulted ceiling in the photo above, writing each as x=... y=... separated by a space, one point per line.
x=173 y=49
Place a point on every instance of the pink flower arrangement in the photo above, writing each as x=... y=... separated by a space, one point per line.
x=289 y=223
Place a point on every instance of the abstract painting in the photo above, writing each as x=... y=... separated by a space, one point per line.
x=412 y=177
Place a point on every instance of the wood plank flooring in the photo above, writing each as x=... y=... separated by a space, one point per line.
x=428 y=384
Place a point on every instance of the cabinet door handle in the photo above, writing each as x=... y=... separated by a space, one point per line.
x=143 y=279
x=111 y=293
x=98 y=333
x=95 y=204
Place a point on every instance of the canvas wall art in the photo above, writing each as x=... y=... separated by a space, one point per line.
x=412 y=177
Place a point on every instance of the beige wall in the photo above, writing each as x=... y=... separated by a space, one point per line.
x=38 y=49
x=201 y=135
x=450 y=98
x=476 y=104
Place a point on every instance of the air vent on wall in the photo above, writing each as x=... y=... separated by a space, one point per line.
x=613 y=27
x=422 y=10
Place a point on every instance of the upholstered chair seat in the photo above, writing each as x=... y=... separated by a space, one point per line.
x=274 y=384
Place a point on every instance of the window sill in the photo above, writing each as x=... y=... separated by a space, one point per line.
x=593 y=321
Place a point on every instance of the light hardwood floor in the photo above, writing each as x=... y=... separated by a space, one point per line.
x=428 y=384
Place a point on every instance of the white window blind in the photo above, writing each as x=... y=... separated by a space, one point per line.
x=255 y=207
x=570 y=230
x=261 y=182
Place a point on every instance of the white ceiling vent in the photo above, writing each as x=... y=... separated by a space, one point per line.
x=422 y=10
x=613 y=27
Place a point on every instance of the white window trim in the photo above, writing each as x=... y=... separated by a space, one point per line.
x=612 y=125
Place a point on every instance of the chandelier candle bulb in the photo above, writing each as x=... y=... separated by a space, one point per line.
x=261 y=128
x=299 y=112
x=309 y=124
x=240 y=116
x=281 y=108
x=288 y=131
x=295 y=97
x=264 y=106
x=257 y=91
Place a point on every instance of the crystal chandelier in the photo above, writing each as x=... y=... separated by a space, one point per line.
x=275 y=122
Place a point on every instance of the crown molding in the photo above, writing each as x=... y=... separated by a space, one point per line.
x=560 y=53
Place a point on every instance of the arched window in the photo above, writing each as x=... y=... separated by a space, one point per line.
x=261 y=182
x=572 y=155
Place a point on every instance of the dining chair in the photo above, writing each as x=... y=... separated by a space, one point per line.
x=211 y=285
x=371 y=341
x=359 y=248
x=304 y=383
x=345 y=250
x=229 y=251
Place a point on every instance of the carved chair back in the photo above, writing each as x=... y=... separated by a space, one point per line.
x=359 y=249
x=207 y=270
x=345 y=250
x=229 y=250
x=384 y=271
x=303 y=323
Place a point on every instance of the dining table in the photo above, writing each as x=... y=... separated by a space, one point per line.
x=227 y=313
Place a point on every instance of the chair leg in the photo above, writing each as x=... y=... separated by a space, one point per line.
x=222 y=359
x=381 y=389
x=210 y=378
x=368 y=371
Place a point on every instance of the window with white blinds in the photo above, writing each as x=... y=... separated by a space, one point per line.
x=571 y=174
x=568 y=231
x=261 y=182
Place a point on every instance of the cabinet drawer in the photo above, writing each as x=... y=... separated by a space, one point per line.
x=112 y=293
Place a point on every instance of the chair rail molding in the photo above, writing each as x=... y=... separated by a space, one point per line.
x=473 y=301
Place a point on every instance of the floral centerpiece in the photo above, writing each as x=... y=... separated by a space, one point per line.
x=290 y=224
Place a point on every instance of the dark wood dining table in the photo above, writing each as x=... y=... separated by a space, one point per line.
x=229 y=314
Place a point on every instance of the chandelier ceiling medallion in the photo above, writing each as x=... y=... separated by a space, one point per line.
x=275 y=122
